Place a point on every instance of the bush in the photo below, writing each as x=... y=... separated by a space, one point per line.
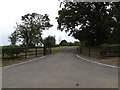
x=11 y=50
x=110 y=50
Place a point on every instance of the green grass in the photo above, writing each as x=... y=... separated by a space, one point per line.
x=33 y=49
x=7 y=62
x=10 y=62
x=57 y=49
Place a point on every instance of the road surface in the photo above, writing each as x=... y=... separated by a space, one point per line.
x=60 y=70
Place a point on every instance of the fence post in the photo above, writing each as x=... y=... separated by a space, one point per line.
x=80 y=49
x=25 y=52
x=2 y=55
x=50 y=49
x=89 y=52
x=36 y=51
x=44 y=49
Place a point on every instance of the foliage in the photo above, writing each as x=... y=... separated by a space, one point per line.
x=13 y=38
x=49 y=41
x=11 y=50
x=63 y=43
x=70 y=44
x=92 y=22
x=57 y=45
x=76 y=43
x=115 y=36
x=30 y=30
x=113 y=49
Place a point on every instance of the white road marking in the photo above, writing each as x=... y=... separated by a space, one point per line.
x=97 y=62
x=24 y=62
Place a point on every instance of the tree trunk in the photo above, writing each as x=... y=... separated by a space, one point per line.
x=50 y=50
x=80 y=48
x=89 y=52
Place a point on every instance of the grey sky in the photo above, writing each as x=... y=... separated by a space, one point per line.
x=12 y=10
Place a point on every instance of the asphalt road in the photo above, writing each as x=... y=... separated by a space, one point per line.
x=60 y=70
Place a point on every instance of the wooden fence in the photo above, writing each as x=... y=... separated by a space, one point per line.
x=97 y=52
x=29 y=52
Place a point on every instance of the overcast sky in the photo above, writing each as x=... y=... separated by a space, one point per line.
x=12 y=10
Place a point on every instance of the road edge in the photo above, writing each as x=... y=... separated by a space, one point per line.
x=97 y=62
x=23 y=62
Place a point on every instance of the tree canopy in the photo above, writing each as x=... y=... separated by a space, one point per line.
x=13 y=38
x=63 y=43
x=49 y=41
x=115 y=37
x=29 y=31
x=76 y=43
x=90 y=22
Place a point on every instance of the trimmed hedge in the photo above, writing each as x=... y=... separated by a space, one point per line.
x=110 y=50
x=11 y=50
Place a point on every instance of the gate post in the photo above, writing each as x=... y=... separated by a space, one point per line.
x=44 y=49
x=36 y=51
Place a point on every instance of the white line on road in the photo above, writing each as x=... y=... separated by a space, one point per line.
x=24 y=62
x=97 y=62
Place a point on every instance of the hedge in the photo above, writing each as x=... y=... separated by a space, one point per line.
x=11 y=50
x=110 y=50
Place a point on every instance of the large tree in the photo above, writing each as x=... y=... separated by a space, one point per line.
x=89 y=22
x=115 y=35
x=30 y=30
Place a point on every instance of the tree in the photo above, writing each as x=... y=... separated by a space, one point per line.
x=63 y=43
x=115 y=34
x=30 y=30
x=87 y=22
x=13 y=38
x=50 y=41
x=76 y=43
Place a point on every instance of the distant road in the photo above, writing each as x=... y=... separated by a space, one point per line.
x=60 y=70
